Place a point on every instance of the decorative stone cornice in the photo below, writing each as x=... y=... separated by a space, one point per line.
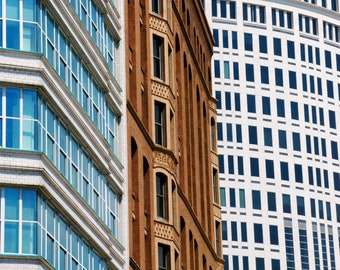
x=167 y=232
x=164 y=91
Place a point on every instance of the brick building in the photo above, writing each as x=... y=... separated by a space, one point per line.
x=173 y=181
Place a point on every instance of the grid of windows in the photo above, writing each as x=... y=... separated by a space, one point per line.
x=33 y=227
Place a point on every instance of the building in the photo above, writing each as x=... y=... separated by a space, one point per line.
x=174 y=221
x=276 y=69
x=63 y=165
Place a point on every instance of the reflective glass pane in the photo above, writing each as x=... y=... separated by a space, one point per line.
x=11 y=203
x=12 y=133
x=12 y=9
x=29 y=205
x=12 y=39
x=12 y=102
x=29 y=10
x=11 y=237
x=29 y=238
x=29 y=37
x=30 y=104
x=29 y=135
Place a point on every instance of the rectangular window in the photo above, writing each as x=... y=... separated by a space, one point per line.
x=254 y=167
x=252 y=134
x=278 y=77
x=256 y=199
x=263 y=44
x=157 y=6
x=226 y=70
x=277 y=47
x=270 y=169
x=225 y=42
x=265 y=105
x=292 y=79
x=217 y=69
x=234 y=40
x=282 y=139
x=163 y=257
x=274 y=235
x=160 y=124
x=248 y=42
x=300 y=203
x=291 y=49
x=250 y=72
x=251 y=103
x=284 y=170
x=286 y=203
x=267 y=133
x=258 y=235
x=280 y=106
x=298 y=173
x=161 y=194
x=158 y=57
x=296 y=141
x=271 y=201
x=264 y=74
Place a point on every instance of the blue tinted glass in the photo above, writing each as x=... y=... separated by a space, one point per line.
x=222 y=197
x=251 y=103
x=217 y=69
x=225 y=39
x=249 y=72
x=256 y=199
x=277 y=47
x=232 y=197
x=12 y=9
x=218 y=97
x=282 y=139
x=229 y=132
x=300 y=205
x=303 y=52
x=238 y=133
x=280 y=105
x=284 y=171
x=263 y=44
x=328 y=59
x=227 y=101
x=231 y=164
x=237 y=102
x=215 y=35
x=258 y=236
x=286 y=203
x=270 y=169
x=30 y=104
x=248 y=42
x=12 y=102
x=12 y=39
x=290 y=49
x=266 y=105
x=298 y=173
x=29 y=235
x=294 y=110
x=12 y=237
x=292 y=80
x=264 y=75
x=12 y=133
x=274 y=236
x=240 y=167
x=234 y=40
x=242 y=198
x=254 y=167
x=296 y=141
x=278 y=77
x=332 y=119
x=271 y=201
x=29 y=10
x=252 y=134
x=29 y=205
x=236 y=71
x=219 y=132
x=224 y=230
x=268 y=141
x=233 y=231
x=334 y=148
x=214 y=8
x=221 y=163
x=244 y=232
x=11 y=203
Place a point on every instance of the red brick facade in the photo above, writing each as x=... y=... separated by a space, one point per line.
x=174 y=221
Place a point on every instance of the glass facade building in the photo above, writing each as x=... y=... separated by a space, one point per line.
x=63 y=173
x=276 y=76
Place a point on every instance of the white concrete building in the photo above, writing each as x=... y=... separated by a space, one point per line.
x=277 y=80
x=63 y=175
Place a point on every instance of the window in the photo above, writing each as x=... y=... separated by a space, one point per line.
x=215 y=35
x=229 y=132
x=254 y=167
x=266 y=105
x=269 y=168
x=282 y=139
x=248 y=42
x=225 y=42
x=298 y=173
x=251 y=103
x=275 y=264
x=300 y=203
x=226 y=70
x=258 y=234
x=233 y=231
x=256 y=199
x=234 y=40
x=263 y=44
x=253 y=13
x=236 y=71
x=243 y=198
x=294 y=109
x=267 y=133
x=158 y=57
x=271 y=201
x=296 y=141
x=284 y=170
x=160 y=127
x=250 y=72
x=252 y=133
x=224 y=231
x=273 y=235
x=280 y=105
x=244 y=237
x=161 y=194
x=240 y=168
x=291 y=49
x=221 y=163
x=157 y=6
x=222 y=197
x=163 y=257
x=217 y=69
x=334 y=149
x=277 y=47
x=230 y=166
x=278 y=77
x=328 y=59
x=286 y=203
x=238 y=133
x=264 y=74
